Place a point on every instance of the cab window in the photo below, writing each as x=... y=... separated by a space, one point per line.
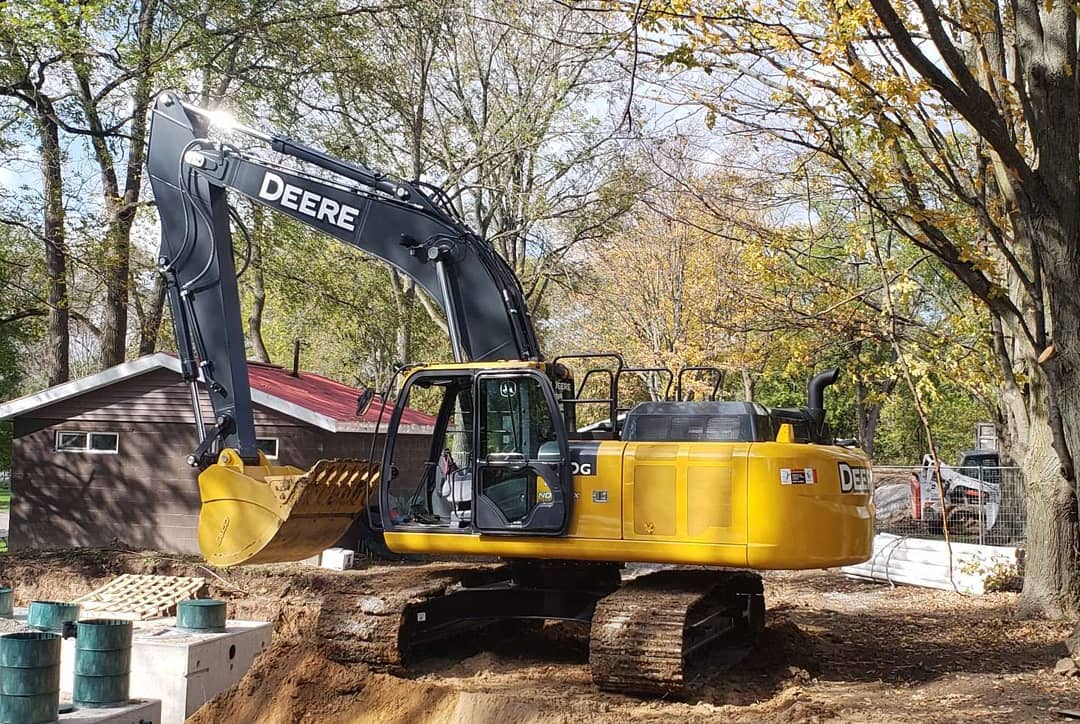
x=516 y=427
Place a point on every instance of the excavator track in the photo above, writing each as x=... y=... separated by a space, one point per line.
x=379 y=627
x=650 y=636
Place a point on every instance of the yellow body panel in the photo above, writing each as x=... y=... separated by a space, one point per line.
x=685 y=492
x=806 y=526
x=718 y=504
x=764 y=505
x=593 y=517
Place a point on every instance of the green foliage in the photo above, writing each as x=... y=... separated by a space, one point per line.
x=12 y=336
x=339 y=303
x=953 y=415
x=618 y=245
x=17 y=275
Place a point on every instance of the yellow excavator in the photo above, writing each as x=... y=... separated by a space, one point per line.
x=718 y=488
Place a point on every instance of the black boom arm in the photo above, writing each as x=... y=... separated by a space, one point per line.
x=401 y=223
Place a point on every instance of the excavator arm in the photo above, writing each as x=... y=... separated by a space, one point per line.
x=406 y=225
x=253 y=511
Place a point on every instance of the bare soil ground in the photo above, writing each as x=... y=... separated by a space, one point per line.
x=835 y=649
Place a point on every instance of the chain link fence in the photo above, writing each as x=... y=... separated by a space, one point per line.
x=983 y=505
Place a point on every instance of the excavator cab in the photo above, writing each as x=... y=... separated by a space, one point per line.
x=496 y=461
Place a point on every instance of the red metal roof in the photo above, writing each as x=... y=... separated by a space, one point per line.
x=324 y=396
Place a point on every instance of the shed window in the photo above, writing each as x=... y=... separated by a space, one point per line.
x=90 y=442
x=268 y=446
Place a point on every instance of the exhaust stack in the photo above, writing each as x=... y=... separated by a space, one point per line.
x=815 y=397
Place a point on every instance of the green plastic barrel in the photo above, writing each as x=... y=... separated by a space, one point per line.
x=29 y=678
x=102 y=663
x=51 y=615
x=7 y=602
x=203 y=615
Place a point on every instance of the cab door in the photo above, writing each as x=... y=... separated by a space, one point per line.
x=522 y=483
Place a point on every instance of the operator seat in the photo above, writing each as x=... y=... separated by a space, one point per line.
x=453 y=486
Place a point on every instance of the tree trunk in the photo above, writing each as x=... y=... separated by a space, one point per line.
x=121 y=205
x=258 y=291
x=1052 y=572
x=1051 y=564
x=869 y=414
x=404 y=294
x=868 y=422
x=59 y=331
x=747 y=385
x=114 y=324
x=150 y=323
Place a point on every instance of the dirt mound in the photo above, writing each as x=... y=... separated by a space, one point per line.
x=834 y=649
x=296 y=683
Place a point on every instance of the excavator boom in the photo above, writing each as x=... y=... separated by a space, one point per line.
x=253 y=511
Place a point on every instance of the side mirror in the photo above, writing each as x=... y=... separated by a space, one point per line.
x=363 y=401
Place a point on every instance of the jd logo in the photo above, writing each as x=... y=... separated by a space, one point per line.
x=583 y=458
x=508 y=389
x=854 y=480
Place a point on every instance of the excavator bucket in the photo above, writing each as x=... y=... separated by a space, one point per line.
x=271 y=514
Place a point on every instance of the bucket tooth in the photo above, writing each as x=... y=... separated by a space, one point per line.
x=270 y=514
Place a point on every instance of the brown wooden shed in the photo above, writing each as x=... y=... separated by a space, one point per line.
x=102 y=460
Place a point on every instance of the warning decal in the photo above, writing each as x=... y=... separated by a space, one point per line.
x=798 y=476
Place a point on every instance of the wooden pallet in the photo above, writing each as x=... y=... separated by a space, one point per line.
x=137 y=598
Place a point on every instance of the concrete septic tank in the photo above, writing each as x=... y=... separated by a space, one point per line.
x=182 y=669
x=138 y=711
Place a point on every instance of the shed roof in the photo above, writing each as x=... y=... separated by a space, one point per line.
x=312 y=398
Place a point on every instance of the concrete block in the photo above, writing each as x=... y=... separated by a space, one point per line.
x=338 y=559
x=184 y=670
x=139 y=711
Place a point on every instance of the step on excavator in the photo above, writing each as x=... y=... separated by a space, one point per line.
x=715 y=489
